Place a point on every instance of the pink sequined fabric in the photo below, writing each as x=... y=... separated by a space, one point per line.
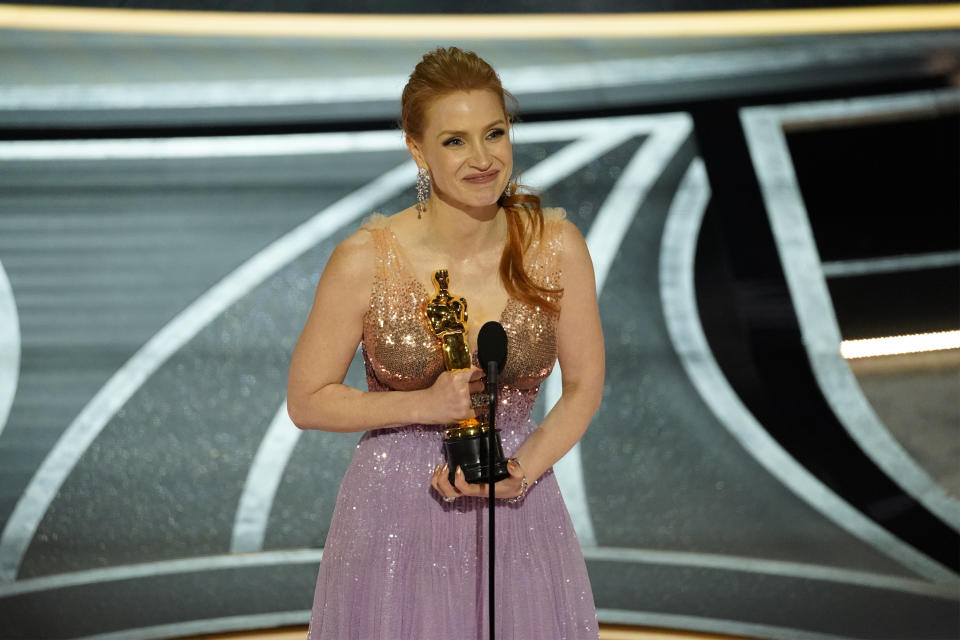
x=401 y=564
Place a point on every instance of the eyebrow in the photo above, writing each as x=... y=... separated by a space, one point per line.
x=460 y=133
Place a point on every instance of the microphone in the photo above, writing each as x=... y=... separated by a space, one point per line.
x=492 y=353
x=492 y=346
x=479 y=452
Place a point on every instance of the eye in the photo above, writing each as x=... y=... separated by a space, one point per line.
x=452 y=141
x=496 y=133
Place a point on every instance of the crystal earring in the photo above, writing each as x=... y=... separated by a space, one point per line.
x=423 y=190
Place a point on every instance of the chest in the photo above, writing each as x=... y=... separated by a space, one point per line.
x=475 y=280
x=402 y=351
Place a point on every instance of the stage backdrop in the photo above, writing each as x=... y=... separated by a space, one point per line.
x=167 y=204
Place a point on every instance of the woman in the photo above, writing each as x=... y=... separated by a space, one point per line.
x=405 y=554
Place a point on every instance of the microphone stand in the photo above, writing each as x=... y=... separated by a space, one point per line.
x=492 y=385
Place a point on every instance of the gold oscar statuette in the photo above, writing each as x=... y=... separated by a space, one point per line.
x=466 y=444
x=447 y=314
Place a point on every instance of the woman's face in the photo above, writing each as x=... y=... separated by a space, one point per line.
x=466 y=147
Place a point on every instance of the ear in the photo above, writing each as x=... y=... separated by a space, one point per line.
x=414 y=147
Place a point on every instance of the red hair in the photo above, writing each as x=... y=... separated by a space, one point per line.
x=447 y=70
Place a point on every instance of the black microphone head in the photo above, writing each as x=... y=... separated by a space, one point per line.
x=492 y=344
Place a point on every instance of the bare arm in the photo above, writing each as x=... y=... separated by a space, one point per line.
x=316 y=395
x=581 y=357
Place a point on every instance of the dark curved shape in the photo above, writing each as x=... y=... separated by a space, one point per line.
x=751 y=326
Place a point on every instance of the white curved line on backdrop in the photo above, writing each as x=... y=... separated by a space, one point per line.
x=594 y=75
x=287 y=144
x=766 y=141
x=9 y=347
x=891 y=264
x=200 y=146
x=277 y=445
x=690 y=623
x=263 y=480
x=603 y=240
x=624 y=555
x=678 y=295
x=91 y=420
x=153 y=569
x=778 y=568
x=244 y=624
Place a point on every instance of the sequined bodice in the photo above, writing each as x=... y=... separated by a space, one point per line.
x=402 y=353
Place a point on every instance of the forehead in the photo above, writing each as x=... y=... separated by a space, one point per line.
x=463 y=111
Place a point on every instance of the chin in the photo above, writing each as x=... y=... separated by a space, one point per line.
x=481 y=201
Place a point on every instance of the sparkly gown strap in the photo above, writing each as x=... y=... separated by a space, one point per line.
x=385 y=257
x=400 y=351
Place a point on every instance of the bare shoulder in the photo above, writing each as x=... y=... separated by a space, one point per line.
x=574 y=244
x=352 y=262
x=404 y=224
x=556 y=224
x=577 y=266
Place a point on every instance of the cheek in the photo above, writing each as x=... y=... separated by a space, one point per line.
x=442 y=174
x=507 y=156
x=508 y=164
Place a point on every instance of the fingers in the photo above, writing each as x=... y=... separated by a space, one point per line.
x=452 y=396
x=464 y=376
x=441 y=483
x=464 y=386
x=478 y=380
x=461 y=484
x=506 y=488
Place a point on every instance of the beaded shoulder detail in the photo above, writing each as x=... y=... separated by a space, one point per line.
x=543 y=259
x=375 y=221
x=552 y=214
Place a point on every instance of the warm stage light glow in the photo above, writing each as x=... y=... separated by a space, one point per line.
x=895 y=345
x=486 y=26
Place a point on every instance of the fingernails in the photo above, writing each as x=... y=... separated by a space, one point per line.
x=459 y=472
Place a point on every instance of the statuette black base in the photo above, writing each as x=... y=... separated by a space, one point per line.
x=470 y=453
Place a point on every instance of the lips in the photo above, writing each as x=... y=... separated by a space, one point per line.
x=482 y=178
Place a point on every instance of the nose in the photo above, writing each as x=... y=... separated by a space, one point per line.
x=481 y=157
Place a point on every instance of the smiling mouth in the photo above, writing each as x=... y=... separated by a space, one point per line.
x=482 y=178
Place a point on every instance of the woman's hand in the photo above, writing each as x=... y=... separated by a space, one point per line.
x=506 y=488
x=447 y=400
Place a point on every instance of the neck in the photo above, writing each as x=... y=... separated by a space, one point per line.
x=454 y=229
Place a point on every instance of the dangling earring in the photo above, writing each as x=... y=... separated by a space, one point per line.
x=508 y=191
x=423 y=191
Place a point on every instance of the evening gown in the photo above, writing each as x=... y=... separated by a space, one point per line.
x=399 y=563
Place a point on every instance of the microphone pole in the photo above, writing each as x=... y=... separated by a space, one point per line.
x=491 y=446
x=492 y=352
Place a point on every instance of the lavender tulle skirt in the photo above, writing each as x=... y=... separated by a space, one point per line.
x=401 y=564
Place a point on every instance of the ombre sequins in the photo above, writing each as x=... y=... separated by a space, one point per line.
x=400 y=350
x=399 y=562
x=402 y=353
